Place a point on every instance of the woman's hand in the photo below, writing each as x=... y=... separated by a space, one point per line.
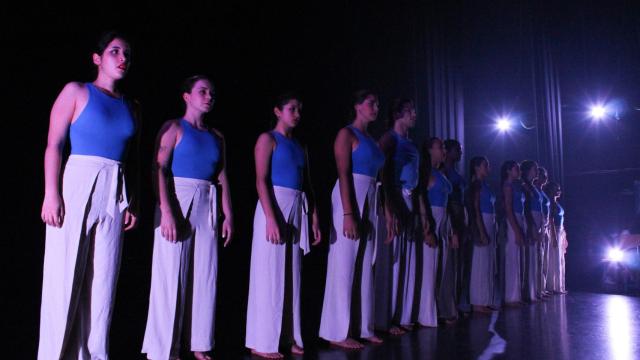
x=393 y=228
x=227 y=231
x=168 y=226
x=350 y=227
x=53 y=210
x=130 y=220
x=455 y=241
x=274 y=235
x=484 y=239
x=429 y=237
x=315 y=227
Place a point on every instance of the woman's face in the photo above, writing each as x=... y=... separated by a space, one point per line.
x=455 y=153
x=514 y=172
x=437 y=151
x=408 y=115
x=115 y=60
x=368 y=109
x=542 y=178
x=533 y=173
x=201 y=97
x=290 y=113
x=483 y=169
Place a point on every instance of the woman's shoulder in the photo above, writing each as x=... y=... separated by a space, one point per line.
x=171 y=126
x=267 y=138
x=74 y=89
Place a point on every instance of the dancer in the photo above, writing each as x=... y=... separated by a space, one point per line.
x=540 y=183
x=483 y=231
x=395 y=269
x=438 y=240
x=458 y=221
x=280 y=235
x=513 y=198
x=87 y=210
x=534 y=225
x=558 y=244
x=189 y=167
x=348 y=298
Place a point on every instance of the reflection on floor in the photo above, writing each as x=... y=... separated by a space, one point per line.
x=573 y=326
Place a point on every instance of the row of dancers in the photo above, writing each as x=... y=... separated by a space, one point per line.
x=409 y=236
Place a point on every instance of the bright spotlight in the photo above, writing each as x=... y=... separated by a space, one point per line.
x=503 y=124
x=598 y=112
x=615 y=255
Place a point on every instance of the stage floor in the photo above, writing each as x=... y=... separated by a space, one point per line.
x=572 y=326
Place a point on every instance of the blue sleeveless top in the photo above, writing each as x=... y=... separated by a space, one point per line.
x=439 y=192
x=518 y=198
x=487 y=199
x=367 y=158
x=458 y=184
x=406 y=161
x=287 y=162
x=197 y=154
x=559 y=216
x=536 y=199
x=104 y=127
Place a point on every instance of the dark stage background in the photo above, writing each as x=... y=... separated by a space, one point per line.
x=463 y=63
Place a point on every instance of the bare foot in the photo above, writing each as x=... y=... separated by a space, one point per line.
x=451 y=321
x=407 y=327
x=201 y=355
x=481 y=309
x=347 y=344
x=275 y=355
x=396 y=331
x=296 y=350
x=374 y=339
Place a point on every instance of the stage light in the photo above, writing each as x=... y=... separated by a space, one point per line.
x=503 y=124
x=615 y=255
x=598 y=111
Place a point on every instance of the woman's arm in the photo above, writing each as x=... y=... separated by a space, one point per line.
x=511 y=217
x=262 y=152
x=60 y=119
x=133 y=173
x=388 y=145
x=531 y=223
x=165 y=143
x=425 y=180
x=227 y=223
x=482 y=230
x=315 y=218
x=342 y=149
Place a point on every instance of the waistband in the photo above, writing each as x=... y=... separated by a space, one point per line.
x=118 y=190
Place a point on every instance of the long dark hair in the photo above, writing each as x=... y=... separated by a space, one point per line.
x=284 y=98
x=473 y=164
x=395 y=108
x=451 y=144
x=106 y=38
x=504 y=170
x=190 y=82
